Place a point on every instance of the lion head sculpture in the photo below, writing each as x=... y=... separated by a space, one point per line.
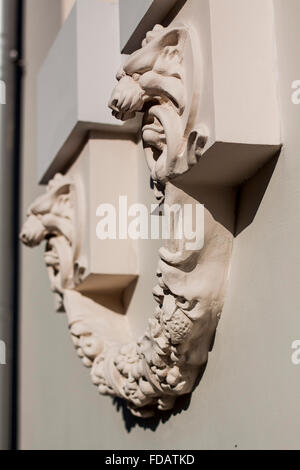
x=163 y=81
x=51 y=218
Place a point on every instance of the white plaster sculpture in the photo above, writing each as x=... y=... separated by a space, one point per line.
x=163 y=81
x=52 y=218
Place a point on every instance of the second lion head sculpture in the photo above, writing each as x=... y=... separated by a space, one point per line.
x=163 y=81
x=51 y=219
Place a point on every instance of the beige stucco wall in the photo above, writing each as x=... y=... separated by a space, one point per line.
x=249 y=394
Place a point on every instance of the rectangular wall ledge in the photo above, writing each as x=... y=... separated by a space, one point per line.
x=139 y=17
x=75 y=84
x=230 y=164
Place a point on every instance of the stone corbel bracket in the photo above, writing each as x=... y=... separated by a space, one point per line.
x=162 y=80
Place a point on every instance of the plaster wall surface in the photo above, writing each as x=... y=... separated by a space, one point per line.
x=249 y=395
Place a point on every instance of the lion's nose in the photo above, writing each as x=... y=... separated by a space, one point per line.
x=119 y=106
x=23 y=237
x=113 y=103
x=127 y=98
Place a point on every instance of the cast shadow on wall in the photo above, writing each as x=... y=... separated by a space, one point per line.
x=115 y=292
x=231 y=182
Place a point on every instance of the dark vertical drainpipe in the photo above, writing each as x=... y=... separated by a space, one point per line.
x=10 y=92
